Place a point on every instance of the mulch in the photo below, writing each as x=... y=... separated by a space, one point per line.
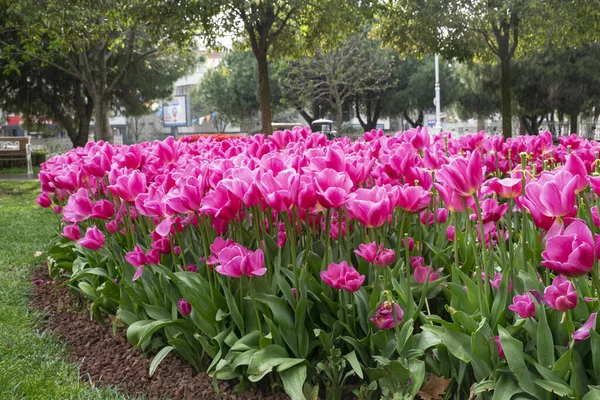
x=107 y=359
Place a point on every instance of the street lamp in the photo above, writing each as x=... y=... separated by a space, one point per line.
x=438 y=122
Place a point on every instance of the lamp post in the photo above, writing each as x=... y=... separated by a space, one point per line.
x=438 y=122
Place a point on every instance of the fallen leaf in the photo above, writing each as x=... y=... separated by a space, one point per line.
x=434 y=388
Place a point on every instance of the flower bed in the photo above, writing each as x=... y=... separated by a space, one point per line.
x=394 y=266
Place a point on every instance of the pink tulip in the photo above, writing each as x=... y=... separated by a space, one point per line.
x=384 y=317
x=428 y=218
x=561 y=295
x=523 y=305
x=236 y=260
x=371 y=207
x=306 y=192
x=595 y=216
x=79 y=207
x=410 y=242
x=463 y=176
x=491 y=211
x=153 y=257
x=507 y=188
x=495 y=282
x=333 y=188
x=215 y=249
x=221 y=204
x=112 y=227
x=453 y=201
x=577 y=168
x=189 y=268
x=103 y=209
x=137 y=257
x=552 y=195
x=450 y=233
x=499 y=347
x=185 y=308
x=595 y=184
x=341 y=276
x=413 y=199
x=72 y=232
x=93 y=239
x=569 y=251
x=277 y=189
x=129 y=186
x=584 y=332
x=367 y=251
x=385 y=257
x=423 y=274
x=43 y=200
x=417 y=261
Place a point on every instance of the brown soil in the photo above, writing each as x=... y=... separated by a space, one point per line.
x=106 y=359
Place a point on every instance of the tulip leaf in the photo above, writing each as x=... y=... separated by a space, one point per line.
x=563 y=365
x=593 y=394
x=158 y=358
x=354 y=364
x=595 y=344
x=156 y=312
x=293 y=381
x=545 y=341
x=88 y=290
x=233 y=308
x=498 y=313
x=264 y=360
x=560 y=389
x=506 y=388
x=513 y=349
x=140 y=331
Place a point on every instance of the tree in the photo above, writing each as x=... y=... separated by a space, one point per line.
x=413 y=92
x=279 y=28
x=231 y=90
x=337 y=77
x=477 y=28
x=98 y=43
x=478 y=95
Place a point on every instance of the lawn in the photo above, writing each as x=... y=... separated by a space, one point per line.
x=32 y=360
x=17 y=170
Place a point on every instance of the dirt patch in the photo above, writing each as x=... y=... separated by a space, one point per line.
x=107 y=359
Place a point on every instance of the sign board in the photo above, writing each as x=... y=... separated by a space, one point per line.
x=10 y=146
x=176 y=112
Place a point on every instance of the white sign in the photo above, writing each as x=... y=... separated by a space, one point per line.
x=10 y=146
x=175 y=111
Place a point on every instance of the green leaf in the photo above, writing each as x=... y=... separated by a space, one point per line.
x=159 y=357
x=351 y=357
x=498 y=313
x=247 y=342
x=417 y=375
x=232 y=306
x=545 y=341
x=593 y=394
x=264 y=360
x=140 y=331
x=88 y=271
x=513 y=349
x=554 y=387
x=88 y=291
x=293 y=381
x=156 y=312
x=563 y=365
x=595 y=344
x=506 y=388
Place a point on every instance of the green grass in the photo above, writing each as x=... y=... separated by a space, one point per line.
x=17 y=170
x=32 y=360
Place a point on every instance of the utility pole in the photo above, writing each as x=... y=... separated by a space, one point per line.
x=438 y=120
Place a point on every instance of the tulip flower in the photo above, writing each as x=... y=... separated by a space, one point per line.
x=463 y=176
x=341 y=276
x=453 y=201
x=569 y=251
x=112 y=227
x=384 y=317
x=499 y=347
x=507 y=188
x=421 y=274
x=495 y=282
x=561 y=295
x=185 y=308
x=413 y=199
x=221 y=204
x=128 y=186
x=333 y=188
x=367 y=251
x=79 y=207
x=552 y=195
x=153 y=257
x=371 y=207
x=72 y=232
x=93 y=239
x=577 y=168
x=428 y=218
x=523 y=305
x=450 y=233
x=584 y=332
x=43 y=200
x=385 y=257
x=417 y=261
x=236 y=260
x=410 y=242
x=103 y=209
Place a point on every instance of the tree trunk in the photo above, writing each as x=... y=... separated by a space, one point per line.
x=573 y=119
x=83 y=133
x=505 y=91
x=102 y=129
x=339 y=117
x=480 y=124
x=264 y=92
